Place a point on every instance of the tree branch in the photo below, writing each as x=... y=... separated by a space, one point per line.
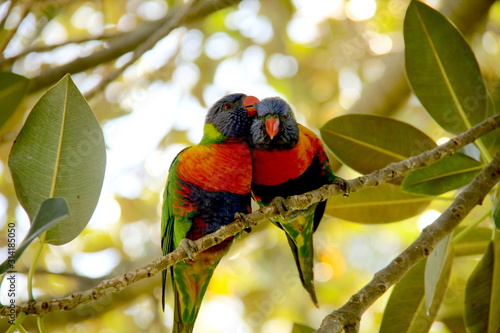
x=6 y=63
x=392 y=171
x=124 y=43
x=148 y=44
x=349 y=315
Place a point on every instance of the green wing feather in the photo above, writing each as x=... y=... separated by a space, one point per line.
x=169 y=219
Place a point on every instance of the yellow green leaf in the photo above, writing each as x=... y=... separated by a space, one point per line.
x=60 y=152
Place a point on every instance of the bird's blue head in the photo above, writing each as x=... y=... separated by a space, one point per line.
x=230 y=118
x=275 y=126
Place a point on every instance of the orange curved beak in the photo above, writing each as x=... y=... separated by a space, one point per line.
x=272 y=126
x=249 y=103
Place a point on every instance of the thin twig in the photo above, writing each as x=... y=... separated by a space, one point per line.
x=302 y=201
x=124 y=43
x=164 y=30
x=5 y=63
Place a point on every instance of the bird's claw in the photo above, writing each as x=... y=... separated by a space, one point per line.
x=189 y=246
x=243 y=218
x=281 y=205
x=344 y=186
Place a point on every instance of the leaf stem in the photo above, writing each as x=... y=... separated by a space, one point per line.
x=17 y=324
x=496 y=233
x=41 y=324
x=484 y=152
x=31 y=272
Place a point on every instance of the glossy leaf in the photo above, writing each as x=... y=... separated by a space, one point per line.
x=382 y=204
x=474 y=243
x=13 y=87
x=51 y=211
x=492 y=139
x=496 y=207
x=60 y=152
x=445 y=175
x=442 y=69
x=406 y=310
x=482 y=294
x=437 y=262
x=367 y=143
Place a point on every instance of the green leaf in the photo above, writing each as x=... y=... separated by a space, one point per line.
x=406 y=310
x=382 y=204
x=445 y=175
x=298 y=328
x=492 y=139
x=442 y=69
x=367 y=143
x=482 y=294
x=13 y=87
x=474 y=243
x=437 y=263
x=60 y=152
x=51 y=211
x=496 y=207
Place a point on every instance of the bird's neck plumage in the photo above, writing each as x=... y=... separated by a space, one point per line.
x=212 y=135
x=268 y=166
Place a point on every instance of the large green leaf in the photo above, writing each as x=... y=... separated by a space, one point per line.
x=438 y=262
x=406 y=310
x=367 y=143
x=496 y=207
x=442 y=69
x=50 y=212
x=482 y=294
x=382 y=204
x=445 y=175
x=60 y=152
x=492 y=139
x=474 y=242
x=12 y=90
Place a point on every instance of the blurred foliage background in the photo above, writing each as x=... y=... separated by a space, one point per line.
x=325 y=57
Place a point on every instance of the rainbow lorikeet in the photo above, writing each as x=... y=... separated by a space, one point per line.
x=207 y=185
x=289 y=159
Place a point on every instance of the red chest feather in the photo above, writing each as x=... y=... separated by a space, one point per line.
x=218 y=167
x=278 y=166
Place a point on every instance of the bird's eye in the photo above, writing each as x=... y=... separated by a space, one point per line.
x=227 y=107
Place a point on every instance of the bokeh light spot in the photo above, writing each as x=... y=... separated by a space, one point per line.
x=427 y=218
x=220 y=45
x=96 y=264
x=152 y=10
x=380 y=43
x=282 y=66
x=359 y=10
x=302 y=30
x=323 y=271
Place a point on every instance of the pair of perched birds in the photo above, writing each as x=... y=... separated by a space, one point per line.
x=248 y=147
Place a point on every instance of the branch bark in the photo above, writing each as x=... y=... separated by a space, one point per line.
x=148 y=44
x=124 y=43
x=393 y=170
